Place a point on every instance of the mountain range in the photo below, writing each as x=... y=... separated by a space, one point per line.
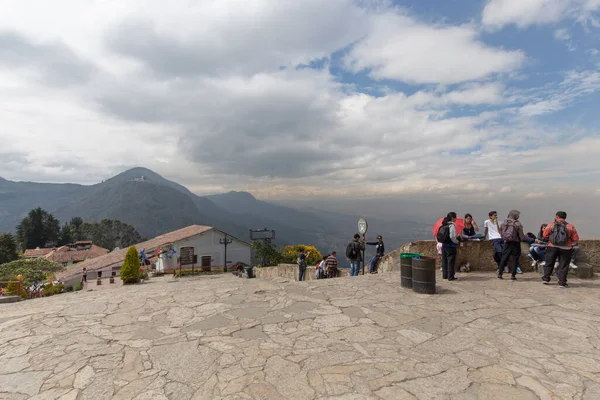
x=155 y=205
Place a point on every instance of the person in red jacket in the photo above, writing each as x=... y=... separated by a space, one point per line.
x=561 y=237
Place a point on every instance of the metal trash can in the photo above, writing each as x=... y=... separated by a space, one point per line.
x=423 y=274
x=249 y=272
x=406 y=279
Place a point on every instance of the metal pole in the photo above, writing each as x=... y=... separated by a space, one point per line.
x=225 y=241
x=363 y=255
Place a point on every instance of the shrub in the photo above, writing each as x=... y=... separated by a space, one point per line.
x=51 y=289
x=189 y=272
x=12 y=288
x=130 y=271
x=289 y=254
x=77 y=287
x=33 y=271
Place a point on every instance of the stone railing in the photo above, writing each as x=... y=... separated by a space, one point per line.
x=290 y=271
x=480 y=255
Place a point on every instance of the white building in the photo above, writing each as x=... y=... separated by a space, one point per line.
x=204 y=240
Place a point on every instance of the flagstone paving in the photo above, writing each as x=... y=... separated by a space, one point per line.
x=221 y=337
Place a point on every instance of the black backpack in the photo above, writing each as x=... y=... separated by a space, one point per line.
x=559 y=235
x=443 y=235
x=351 y=251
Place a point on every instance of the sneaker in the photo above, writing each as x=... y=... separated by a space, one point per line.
x=519 y=270
x=506 y=270
x=500 y=276
x=513 y=278
x=573 y=266
x=546 y=282
x=534 y=264
x=563 y=286
x=453 y=279
x=542 y=263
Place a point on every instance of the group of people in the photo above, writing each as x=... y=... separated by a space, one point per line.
x=328 y=266
x=553 y=247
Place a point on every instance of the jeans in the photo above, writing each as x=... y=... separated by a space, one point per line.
x=475 y=236
x=301 y=271
x=510 y=255
x=564 y=259
x=354 y=267
x=497 y=243
x=448 y=262
x=373 y=264
x=537 y=253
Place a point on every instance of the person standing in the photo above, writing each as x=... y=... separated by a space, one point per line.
x=379 y=252
x=331 y=265
x=84 y=279
x=511 y=231
x=492 y=233
x=561 y=237
x=354 y=253
x=302 y=264
x=446 y=235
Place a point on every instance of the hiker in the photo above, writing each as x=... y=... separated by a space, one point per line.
x=302 y=264
x=511 y=231
x=331 y=265
x=379 y=252
x=447 y=237
x=471 y=229
x=537 y=250
x=492 y=233
x=320 y=268
x=561 y=237
x=84 y=279
x=354 y=253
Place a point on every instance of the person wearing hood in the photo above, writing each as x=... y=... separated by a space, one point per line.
x=512 y=234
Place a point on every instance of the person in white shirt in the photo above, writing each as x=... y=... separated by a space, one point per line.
x=492 y=233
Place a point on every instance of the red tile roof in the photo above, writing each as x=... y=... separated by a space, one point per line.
x=116 y=257
x=66 y=254
x=37 y=252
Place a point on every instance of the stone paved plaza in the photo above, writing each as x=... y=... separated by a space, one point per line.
x=220 y=337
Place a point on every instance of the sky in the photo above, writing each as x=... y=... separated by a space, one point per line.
x=302 y=99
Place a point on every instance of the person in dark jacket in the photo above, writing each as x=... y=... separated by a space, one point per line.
x=356 y=246
x=379 y=252
x=449 y=248
x=511 y=249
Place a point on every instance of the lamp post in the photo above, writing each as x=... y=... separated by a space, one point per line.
x=225 y=241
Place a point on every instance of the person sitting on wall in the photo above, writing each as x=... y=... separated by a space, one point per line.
x=470 y=230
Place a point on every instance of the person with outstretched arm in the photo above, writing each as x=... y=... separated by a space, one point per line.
x=379 y=252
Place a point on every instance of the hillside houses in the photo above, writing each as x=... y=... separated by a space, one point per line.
x=68 y=255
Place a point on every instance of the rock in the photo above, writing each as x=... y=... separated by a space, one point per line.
x=493 y=374
x=490 y=391
x=23 y=382
x=288 y=379
x=453 y=381
x=536 y=387
x=187 y=362
x=584 y=271
x=11 y=365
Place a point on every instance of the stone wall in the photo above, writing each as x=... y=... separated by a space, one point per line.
x=480 y=255
x=290 y=271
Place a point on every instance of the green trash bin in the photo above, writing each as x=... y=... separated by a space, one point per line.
x=249 y=272
x=406 y=269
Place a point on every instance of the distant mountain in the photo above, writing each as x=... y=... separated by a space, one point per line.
x=155 y=205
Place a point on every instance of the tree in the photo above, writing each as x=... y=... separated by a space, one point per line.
x=110 y=234
x=76 y=224
x=38 y=229
x=265 y=253
x=289 y=254
x=34 y=273
x=8 y=248
x=130 y=271
x=66 y=235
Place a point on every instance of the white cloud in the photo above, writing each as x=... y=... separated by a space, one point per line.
x=535 y=195
x=398 y=47
x=195 y=91
x=499 y=13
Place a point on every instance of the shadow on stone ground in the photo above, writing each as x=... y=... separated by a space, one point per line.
x=349 y=338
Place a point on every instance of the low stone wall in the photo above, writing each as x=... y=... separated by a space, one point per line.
x=290 y=271
x=480 y=255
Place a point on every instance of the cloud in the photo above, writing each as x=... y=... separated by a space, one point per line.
x=400 y=48
x=499 y=13
x=288 y=99
x=535 y=195
x=55 y=63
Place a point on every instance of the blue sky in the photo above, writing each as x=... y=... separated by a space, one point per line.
x=306 y=99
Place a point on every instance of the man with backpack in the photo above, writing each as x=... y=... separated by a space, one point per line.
x=354 y=253
x=561 y=237
x=511 y=231
x=447 y=236
x=302 y=264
